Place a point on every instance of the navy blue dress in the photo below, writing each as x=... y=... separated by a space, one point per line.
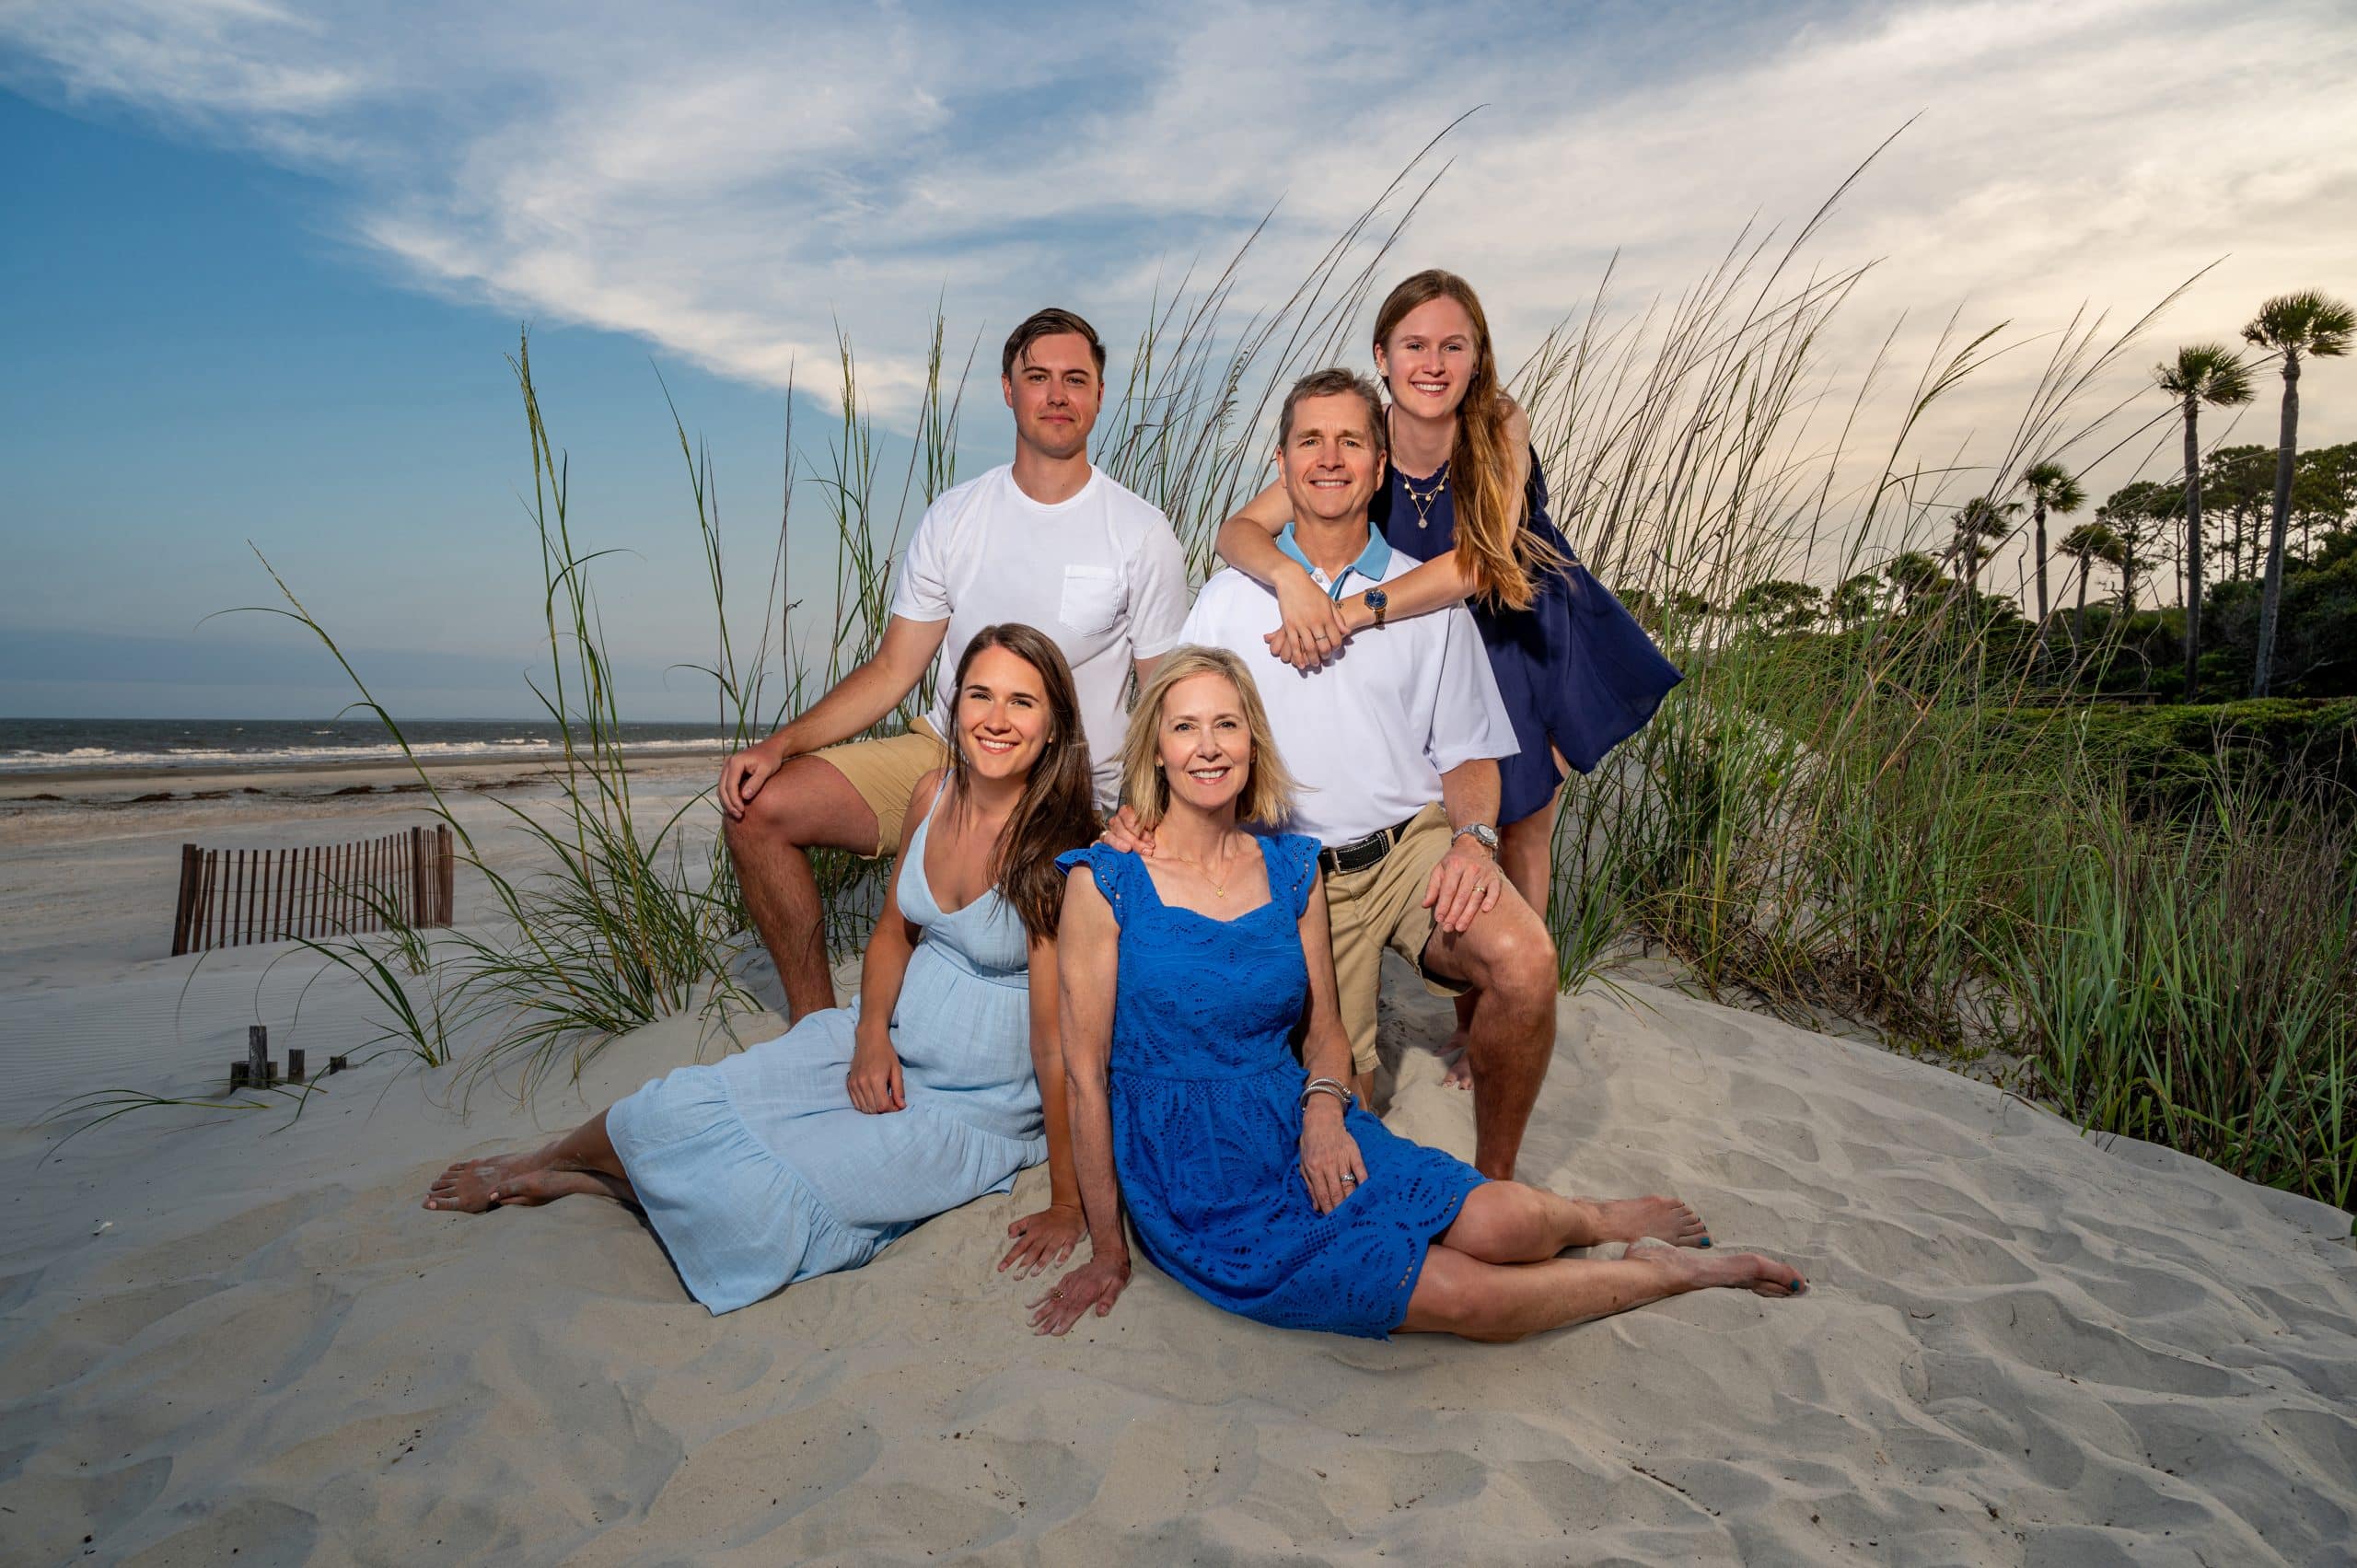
x=1206 y=1103
x=1575 y=669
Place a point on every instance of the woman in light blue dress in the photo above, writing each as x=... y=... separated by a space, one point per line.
x=813 y=1151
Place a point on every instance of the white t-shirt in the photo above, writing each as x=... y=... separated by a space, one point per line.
x=1368 y=735
x=1100 y=574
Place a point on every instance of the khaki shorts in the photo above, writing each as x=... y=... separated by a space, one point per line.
x=1383 y=906
x=886 y=771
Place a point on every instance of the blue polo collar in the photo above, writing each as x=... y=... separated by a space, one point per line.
x=1372 y=563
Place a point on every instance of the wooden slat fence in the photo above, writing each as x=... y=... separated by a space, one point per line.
x=230 y=898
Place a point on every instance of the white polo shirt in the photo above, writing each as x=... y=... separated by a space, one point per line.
x=1369 y=734
x=1102 y=574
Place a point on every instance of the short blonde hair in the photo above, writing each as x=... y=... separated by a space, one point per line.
x=1268 y=788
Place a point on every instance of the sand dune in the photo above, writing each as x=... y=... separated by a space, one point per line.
x=2021 y=1345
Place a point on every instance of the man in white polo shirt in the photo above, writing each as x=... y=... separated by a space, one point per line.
x=1047 y=541
x=1396 y=742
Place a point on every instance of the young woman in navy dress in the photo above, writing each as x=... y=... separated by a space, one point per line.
x=1249 y=1176
x=1465 y=494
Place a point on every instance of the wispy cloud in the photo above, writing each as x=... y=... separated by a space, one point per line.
x=728 y=183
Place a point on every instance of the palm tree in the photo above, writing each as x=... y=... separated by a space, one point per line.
x=1978 y=519
x=2051 y=489
x=2311 y=323
x=2202 y=373
x=1914 y=574
x=2086 y=544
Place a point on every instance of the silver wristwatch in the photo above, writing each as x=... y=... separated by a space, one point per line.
x=1482 y=835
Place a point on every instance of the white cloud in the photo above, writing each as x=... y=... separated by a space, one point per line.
x=729 y=181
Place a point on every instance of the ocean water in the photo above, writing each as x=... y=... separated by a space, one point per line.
x=29 y=746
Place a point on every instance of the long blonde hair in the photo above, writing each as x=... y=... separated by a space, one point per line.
x=1268 y=788
x=1504 y=559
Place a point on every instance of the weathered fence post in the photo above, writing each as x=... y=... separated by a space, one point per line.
x=445 y=875
x=417 y=911
x=258 y=1056
x=184 y=908
x=293 y=1066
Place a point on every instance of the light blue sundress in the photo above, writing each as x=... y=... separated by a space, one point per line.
x=757 y=1171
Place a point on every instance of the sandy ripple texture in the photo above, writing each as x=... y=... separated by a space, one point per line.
x=2022 y=1346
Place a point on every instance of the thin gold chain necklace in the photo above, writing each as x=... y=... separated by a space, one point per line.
x=1219 y=885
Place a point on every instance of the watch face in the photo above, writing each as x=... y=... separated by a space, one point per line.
x=1378 y=600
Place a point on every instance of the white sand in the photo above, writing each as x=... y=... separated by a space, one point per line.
x=2020 y=1345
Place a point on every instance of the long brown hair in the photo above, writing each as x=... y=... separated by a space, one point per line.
x=1502 y=558
x=1057 y=809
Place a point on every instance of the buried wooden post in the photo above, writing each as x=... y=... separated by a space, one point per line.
x=293 y=1066
x=184 y=908
x=238 y=1071
x=258 y=1056
x=338 y=1064
x=414 y=884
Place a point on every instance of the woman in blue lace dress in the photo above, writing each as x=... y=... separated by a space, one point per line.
x=811 y=1152
x=1464 y=494
x=1248 y=1175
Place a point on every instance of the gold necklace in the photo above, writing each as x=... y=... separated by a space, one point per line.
x=1219 y=886
x=1424 y=499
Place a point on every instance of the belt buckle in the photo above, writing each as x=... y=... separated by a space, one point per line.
x=1340 y=860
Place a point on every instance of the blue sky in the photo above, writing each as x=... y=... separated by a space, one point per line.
x=263 y=259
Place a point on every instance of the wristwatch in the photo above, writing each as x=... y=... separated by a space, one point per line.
x=1377 y=602
x=1482 y=835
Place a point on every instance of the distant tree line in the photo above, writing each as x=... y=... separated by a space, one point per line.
x=2261 y=543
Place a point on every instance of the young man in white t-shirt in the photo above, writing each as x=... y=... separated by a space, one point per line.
x=1047 y=541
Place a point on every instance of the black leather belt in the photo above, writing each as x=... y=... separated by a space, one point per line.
x=1360 y=854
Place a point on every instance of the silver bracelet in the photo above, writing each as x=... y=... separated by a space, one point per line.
x=1335 y=1087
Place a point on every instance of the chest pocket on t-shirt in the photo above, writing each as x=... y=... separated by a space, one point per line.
x=1092 y=599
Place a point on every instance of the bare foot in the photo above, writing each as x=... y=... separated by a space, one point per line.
x=1460 y=1063
x=1656 y=1219
x=1759 y=1275
x=533 y=1188
x=470 y=1187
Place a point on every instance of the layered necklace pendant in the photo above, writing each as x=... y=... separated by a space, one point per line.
x=1424 y=500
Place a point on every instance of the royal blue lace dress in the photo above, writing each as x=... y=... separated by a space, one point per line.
x=1206 y=1102
x=1575 y=669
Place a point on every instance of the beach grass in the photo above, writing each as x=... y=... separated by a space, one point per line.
x=621 y=923
x=1905 y=822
